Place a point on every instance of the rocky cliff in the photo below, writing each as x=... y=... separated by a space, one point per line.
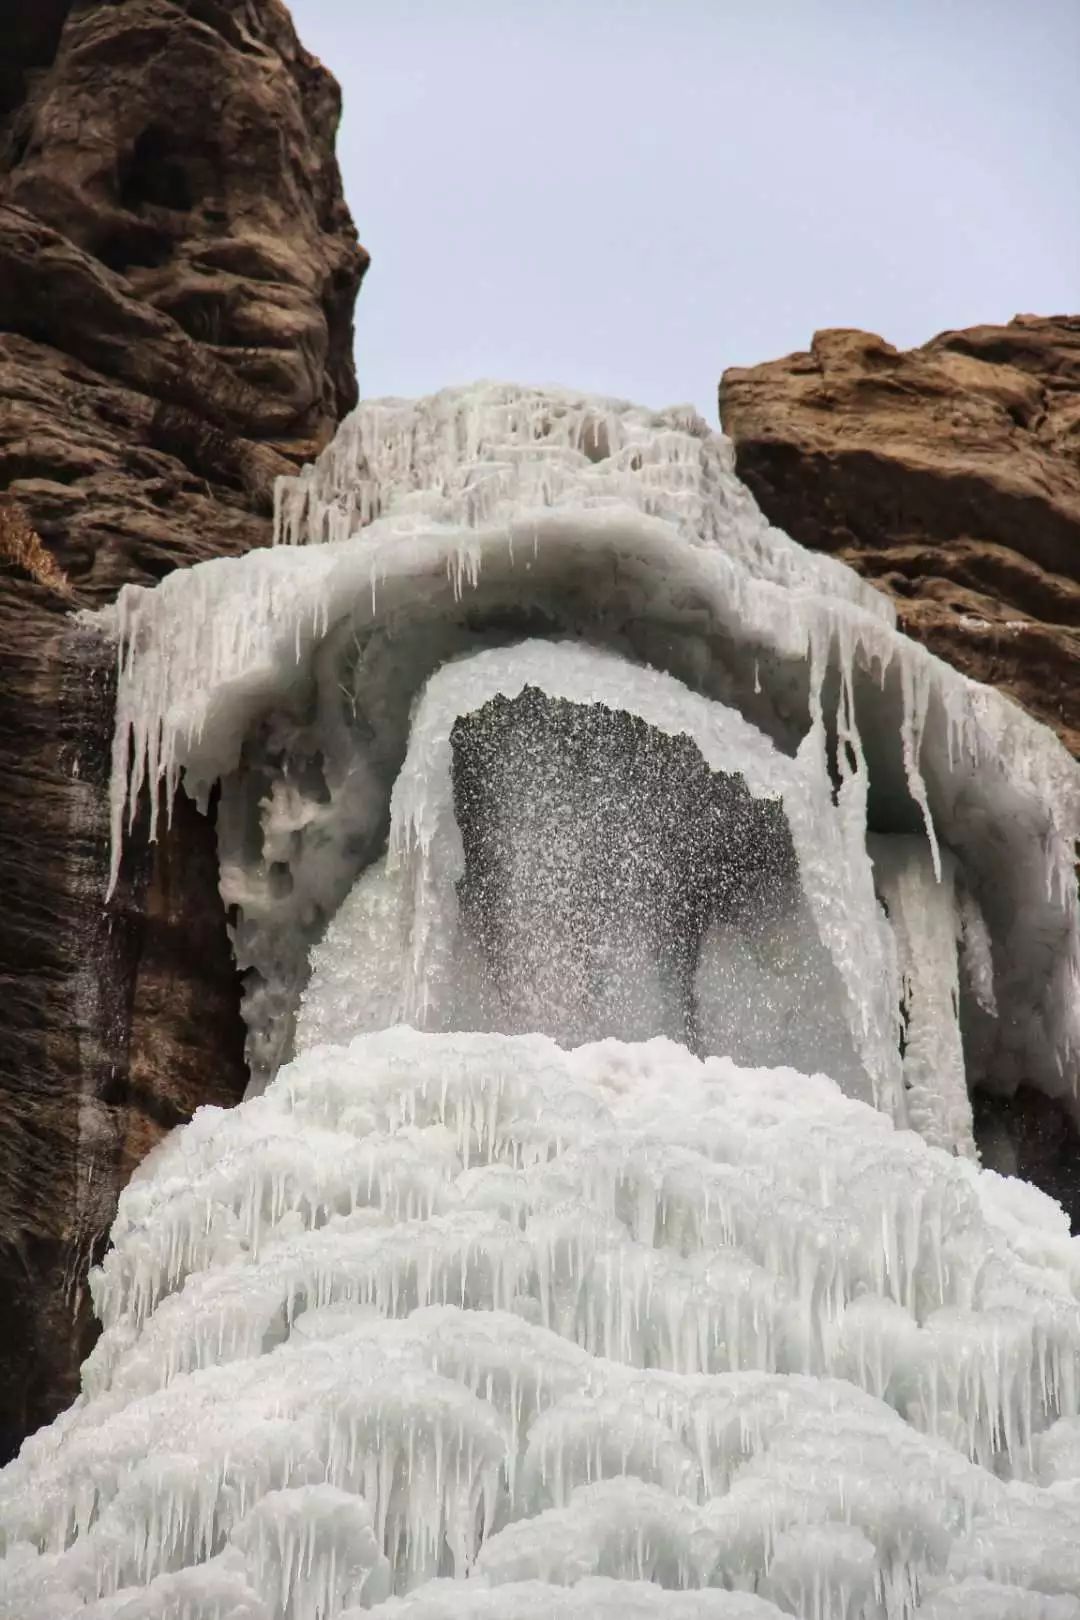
x=177 y=277
x=950 y=476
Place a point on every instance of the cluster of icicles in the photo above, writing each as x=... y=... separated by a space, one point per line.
x=515 y=1332
x=428 y=526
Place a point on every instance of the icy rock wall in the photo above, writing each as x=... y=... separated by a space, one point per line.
x=430 y=531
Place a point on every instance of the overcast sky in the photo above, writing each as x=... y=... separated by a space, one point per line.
x=630 y=195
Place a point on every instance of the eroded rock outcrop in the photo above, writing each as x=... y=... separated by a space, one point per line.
x=950 y=476
x=177 y=277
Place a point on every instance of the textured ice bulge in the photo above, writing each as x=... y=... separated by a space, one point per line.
x=628 y=913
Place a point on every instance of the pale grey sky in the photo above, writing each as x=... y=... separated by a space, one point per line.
x=629 y=195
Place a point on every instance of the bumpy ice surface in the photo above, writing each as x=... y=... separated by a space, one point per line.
x=516 y=1331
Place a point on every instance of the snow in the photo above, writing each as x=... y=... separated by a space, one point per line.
x=595 y=1598
x=628 y=911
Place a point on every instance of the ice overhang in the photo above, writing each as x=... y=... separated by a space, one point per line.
x=433 y=530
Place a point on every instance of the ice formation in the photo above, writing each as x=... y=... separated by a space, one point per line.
x=628 y=911
x=426 y=961
x=486 y=517
x=474 y=1319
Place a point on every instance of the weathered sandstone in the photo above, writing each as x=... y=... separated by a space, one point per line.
x=177 y=277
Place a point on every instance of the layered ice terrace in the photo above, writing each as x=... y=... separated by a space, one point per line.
x=628 y=913
x=515 y=1331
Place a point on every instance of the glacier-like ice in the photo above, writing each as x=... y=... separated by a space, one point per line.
x=531 y=727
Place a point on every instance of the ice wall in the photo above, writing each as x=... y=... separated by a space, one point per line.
x=453 y=1322
x=926 y=922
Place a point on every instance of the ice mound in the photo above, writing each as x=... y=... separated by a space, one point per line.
x=470 y=1325
x=433 y=530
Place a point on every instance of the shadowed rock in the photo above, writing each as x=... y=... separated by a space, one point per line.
x=177 y=277
x=598 y=850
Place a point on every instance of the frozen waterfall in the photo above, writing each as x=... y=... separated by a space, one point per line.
x=629 y=914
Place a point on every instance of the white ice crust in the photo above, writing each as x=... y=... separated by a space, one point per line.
x=450 y=1324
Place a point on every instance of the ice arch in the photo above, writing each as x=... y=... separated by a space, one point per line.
x=449 y=1323
x=788 y=880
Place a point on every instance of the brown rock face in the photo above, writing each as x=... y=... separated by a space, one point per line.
x=177 y=278
x=950 y=476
